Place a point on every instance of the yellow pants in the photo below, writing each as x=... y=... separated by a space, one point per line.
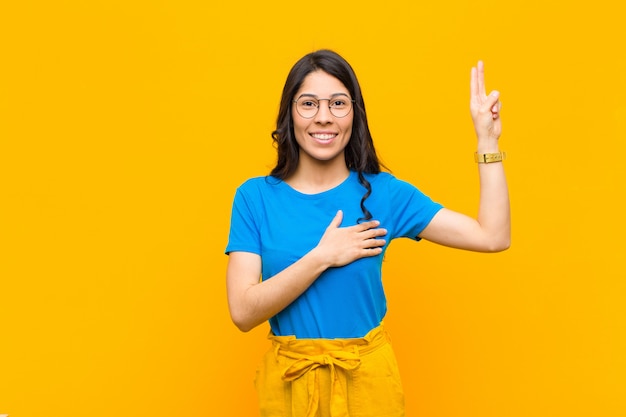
x=330 y=378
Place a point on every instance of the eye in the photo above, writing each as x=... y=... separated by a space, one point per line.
x=339 y=102
x=308 y=103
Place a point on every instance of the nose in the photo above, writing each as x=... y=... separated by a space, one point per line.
x=323 y=112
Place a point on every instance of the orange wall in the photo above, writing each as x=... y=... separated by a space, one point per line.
x=126 y=126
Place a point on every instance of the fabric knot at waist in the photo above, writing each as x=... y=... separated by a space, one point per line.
x=306 y=363
x=305 y=358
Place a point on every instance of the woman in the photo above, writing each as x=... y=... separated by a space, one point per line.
x=315 y=230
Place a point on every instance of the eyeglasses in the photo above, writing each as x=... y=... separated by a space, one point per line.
x=308 y=105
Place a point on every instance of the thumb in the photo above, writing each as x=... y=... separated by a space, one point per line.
x=492 y=99
x=336 y=222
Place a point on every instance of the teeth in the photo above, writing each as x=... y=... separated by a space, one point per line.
x=323 y=136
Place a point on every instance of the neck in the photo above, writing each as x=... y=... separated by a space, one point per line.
x=318 y=177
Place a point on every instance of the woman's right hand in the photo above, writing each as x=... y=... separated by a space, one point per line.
x=341 y=245
x=252 y=302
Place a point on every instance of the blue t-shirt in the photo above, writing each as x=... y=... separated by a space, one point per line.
x=281 y=225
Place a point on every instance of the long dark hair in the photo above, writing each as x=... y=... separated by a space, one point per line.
x=359 y=153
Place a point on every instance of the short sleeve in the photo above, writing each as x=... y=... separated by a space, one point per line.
x=244 y=232
x=412 y=209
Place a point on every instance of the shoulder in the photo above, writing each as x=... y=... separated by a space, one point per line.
x=379 y=177
x=258 y=183
x=394 y=188
x=386 y=179
x=255 y=190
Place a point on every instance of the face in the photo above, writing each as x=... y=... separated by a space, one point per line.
x=322 y=138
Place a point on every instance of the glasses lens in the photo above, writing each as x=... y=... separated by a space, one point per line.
x=307 y=106
x=340 y=106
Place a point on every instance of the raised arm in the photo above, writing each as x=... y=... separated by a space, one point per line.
x=252 y=302
x=490 y=231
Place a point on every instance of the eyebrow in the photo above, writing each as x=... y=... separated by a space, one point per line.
x=315 y=96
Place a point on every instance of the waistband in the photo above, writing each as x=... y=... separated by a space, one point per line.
x=307 y=356
x=372 y=340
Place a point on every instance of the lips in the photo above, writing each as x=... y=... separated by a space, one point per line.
x=323 y=137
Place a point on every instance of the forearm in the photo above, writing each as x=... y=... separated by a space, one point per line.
x=254 y=303
x=494 y=214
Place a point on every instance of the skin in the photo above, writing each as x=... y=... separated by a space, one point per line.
x=322 y=166
x=322 y=162
x=491 y=230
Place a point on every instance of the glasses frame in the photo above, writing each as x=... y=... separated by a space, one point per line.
x=330 y=108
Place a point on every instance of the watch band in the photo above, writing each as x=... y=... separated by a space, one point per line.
x=487 y=158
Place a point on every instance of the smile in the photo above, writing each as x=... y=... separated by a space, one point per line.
x=323 y=136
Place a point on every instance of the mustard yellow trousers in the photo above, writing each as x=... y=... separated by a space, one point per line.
x=330 y=378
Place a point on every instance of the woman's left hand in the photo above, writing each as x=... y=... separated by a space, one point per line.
x=485 y=109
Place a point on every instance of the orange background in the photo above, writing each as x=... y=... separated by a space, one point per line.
x=126 y=126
